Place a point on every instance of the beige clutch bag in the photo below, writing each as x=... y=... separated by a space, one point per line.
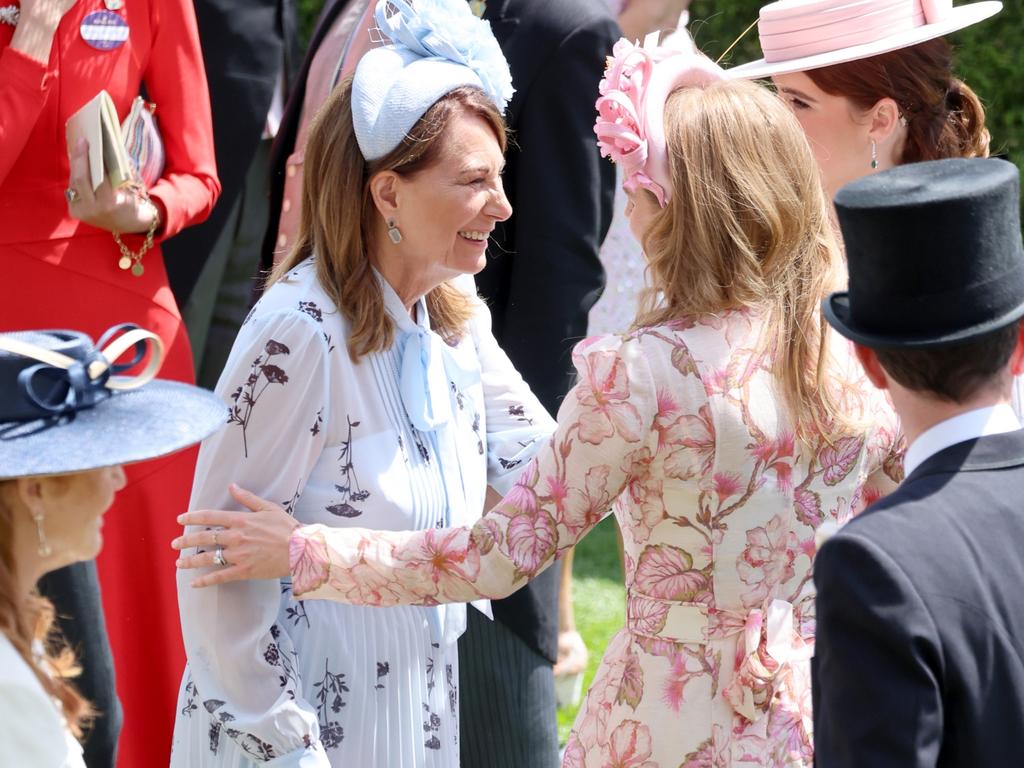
x=97 y=122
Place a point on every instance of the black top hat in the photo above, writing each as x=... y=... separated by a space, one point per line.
x=934 y=254
x=64 y=408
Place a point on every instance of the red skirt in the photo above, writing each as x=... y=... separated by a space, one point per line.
x=75 y=284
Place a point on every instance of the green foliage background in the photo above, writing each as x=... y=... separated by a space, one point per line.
x=308 y=10
x=988 y=57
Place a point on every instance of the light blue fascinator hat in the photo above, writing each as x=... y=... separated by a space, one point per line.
x=436 y=46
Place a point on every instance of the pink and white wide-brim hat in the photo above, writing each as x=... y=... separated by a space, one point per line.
x=797 y=35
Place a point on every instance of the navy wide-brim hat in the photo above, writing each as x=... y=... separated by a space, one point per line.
x=934 y=254
x=64 y=409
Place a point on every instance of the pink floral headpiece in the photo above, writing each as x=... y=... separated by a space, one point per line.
x=630 y=124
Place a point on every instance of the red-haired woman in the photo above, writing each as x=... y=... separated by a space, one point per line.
x=873 y=87
x=68 y=426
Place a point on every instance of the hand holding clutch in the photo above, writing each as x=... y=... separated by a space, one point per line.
x=115 y=209
x=97 y=123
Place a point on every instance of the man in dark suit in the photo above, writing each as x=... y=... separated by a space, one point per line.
x=920 y=637
x=541 y=280
x=251 y=51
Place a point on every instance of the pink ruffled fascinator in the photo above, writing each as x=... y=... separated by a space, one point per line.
x=630 y=124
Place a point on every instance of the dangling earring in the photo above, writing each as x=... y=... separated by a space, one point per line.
x=874 y=155
x=44 y=546
x=394 y=232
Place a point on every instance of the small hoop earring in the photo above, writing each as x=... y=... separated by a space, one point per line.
x=394 y=232
x=44 y=546
x=874 y=154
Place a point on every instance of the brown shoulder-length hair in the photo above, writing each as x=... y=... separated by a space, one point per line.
x=944 y=116
x=748 y=227
x=28 y=619
x=338 y=217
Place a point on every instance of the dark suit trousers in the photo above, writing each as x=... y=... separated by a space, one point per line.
x=507 y=700
x=75 y=593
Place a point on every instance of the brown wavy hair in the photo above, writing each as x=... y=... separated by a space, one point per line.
x=748 y=227
x=27 y=619
x=944 y=116
x=338 y=217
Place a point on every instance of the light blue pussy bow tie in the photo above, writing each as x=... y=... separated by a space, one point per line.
x=428 y=365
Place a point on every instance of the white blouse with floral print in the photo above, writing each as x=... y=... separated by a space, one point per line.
x=407 y=438
x=682 y=428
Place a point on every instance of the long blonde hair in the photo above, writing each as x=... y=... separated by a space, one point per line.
x=338 y=217
x=748 y=227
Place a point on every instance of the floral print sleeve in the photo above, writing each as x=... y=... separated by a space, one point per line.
x=242 y=672
x=886 y=447
x=560 y=495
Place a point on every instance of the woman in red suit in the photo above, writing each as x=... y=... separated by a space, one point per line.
x=60 y=270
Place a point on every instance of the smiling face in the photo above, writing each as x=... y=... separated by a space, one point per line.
x=447 y=211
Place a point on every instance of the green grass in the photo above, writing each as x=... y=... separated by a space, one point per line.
x=599 y=598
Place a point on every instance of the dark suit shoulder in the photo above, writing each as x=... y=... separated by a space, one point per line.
x=919 y=601
x=936 y=514
x=956 y=535
x=532 y=32
x=557 y=20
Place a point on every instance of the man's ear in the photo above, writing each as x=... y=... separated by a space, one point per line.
x=872 y=368
x=384 y=189
x=1017 y=356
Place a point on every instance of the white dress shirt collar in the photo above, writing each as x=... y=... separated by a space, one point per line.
x=981 y=422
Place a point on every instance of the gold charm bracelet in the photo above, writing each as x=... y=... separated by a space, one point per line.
x=133 y=260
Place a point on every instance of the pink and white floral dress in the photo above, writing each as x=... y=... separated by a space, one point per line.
x=682 y=428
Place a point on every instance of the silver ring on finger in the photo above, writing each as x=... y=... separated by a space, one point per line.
x=218 y=557
x=71 y=195
x=215 y=538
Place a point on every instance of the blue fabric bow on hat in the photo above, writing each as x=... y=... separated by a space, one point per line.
x=60 y=385
x=437 y=46
x=447 y=29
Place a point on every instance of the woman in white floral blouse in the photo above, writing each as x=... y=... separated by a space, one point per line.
x=365 y=389
x=725 y=430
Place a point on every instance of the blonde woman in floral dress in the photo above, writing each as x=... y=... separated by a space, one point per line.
x=711 y=429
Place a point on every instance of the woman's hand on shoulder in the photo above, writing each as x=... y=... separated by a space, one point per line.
x=240 y=545
x=121 y=210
